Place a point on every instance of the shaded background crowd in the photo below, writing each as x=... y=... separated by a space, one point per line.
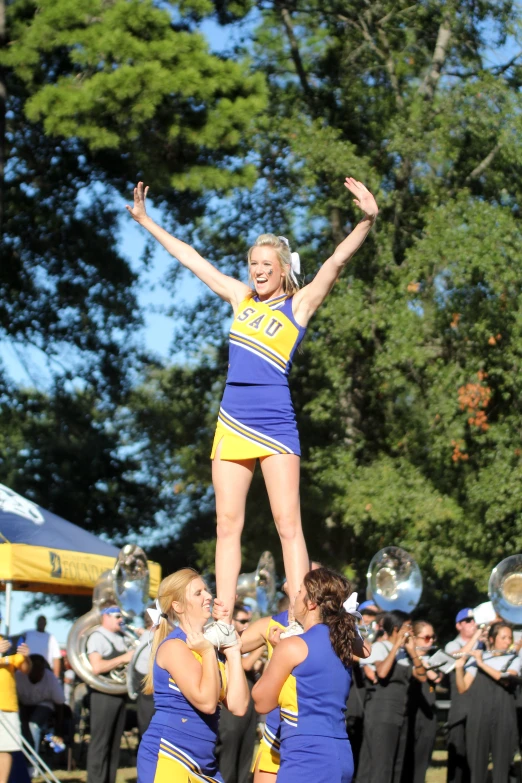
x=394 y=718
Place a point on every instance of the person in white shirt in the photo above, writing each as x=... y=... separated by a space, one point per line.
x=467 y=638
x=396 y=661
x=42 y=643
x=41 y=700
x=466 y=627
x=491 y=724
x=107 y=649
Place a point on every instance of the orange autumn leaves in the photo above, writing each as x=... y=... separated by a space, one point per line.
x=473 y=398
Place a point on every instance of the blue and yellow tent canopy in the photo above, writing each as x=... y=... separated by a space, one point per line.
x=41 y=552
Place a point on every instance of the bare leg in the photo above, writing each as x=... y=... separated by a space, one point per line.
x=263 y=777
x=281 y=474
x=231 y=484
x=5 y=766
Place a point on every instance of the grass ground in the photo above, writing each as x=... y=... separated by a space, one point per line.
x=436 y=773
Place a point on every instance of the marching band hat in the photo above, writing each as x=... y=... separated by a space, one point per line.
x=366 y=605
x=464 y=614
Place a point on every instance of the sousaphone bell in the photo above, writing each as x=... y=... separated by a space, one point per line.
x=394 y=580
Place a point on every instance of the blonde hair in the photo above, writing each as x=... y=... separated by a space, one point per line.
x=283 y=256
x=172 y=588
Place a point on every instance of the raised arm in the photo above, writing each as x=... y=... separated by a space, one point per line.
x=309 y=298
x=229 y=289
x=255 y=635
x=238 y=693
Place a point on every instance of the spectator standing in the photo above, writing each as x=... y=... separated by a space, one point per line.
x=145 y=702
x=107 y=649
x=237 y=734
x=41 y=700
x=40 y=642
x=10 y=734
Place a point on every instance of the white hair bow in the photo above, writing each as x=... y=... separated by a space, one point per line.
x=156 y=615
x=295 y=261
x=350 y=606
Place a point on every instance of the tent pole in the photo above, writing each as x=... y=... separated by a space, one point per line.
x=8 y=595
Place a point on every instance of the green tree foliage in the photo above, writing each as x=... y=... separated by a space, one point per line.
x=91 y=96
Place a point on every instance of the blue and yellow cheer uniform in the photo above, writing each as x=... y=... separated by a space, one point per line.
x=256 y=417
x=314 y=741
x=178 y=746
x=268 y=758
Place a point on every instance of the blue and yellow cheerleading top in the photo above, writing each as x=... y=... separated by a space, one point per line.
x=313 y=698
x=256 y=417
x=271 y=735
x=174 y=710
x=263 y=339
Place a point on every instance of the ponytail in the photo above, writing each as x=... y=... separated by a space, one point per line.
x=173 y=588
x=329 y=590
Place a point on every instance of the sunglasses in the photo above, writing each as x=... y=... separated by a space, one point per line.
x=427 y=638
x=116 y=616
x=468 y=620
x=243 y=622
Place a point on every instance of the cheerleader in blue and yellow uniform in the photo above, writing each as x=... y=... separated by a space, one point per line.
x=258 y=634
x=188 y=682
x=256 y=418
x=309 y=677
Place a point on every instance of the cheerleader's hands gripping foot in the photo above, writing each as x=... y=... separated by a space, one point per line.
x=138 y=211
x=363 y=198
x=294 y=629
x=220 y=633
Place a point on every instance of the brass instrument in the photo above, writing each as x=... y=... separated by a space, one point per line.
x=258 y=588
x=394 y=580
x=505 y=589
x=127 y=584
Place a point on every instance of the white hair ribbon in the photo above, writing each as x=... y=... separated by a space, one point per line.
x=350 y=606
x=156 y=615
x=295 y=261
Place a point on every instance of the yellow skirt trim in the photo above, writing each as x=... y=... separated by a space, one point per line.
x=266 y=759
x=169 y=770
x=235 y=447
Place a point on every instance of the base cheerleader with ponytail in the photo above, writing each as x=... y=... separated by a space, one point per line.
x=309 y=677
x=188 y=682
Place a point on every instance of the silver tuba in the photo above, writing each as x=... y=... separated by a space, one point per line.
x=505 y=589
x=394 y=580
x=258 y=588
x=128 y=585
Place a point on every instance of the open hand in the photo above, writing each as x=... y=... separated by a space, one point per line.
x=138 y=211
x=363 y=198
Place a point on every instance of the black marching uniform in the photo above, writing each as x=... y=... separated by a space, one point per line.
x=107 y=713
x=236 y=740
x=385 y=721
x=457 y=768
x=491 y=724
x=145 y=701
x=422 y=728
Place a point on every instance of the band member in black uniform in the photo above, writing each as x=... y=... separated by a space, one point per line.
x=362 y=679
x=466 y=639
x=422 y=716
x=106 y=650
x=491 y=724
x=385 y=724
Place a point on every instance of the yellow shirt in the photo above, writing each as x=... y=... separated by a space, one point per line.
x=8 y=665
